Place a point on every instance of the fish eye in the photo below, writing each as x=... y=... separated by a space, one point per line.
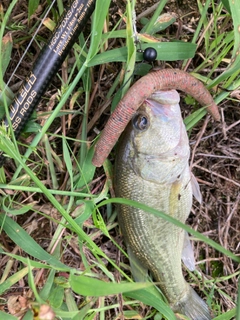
x=140 y=121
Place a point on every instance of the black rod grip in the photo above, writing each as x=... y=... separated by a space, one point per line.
x=71 y=23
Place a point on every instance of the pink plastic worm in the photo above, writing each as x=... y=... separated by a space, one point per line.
x=138 y=93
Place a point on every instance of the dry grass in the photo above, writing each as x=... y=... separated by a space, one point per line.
x=215 y=163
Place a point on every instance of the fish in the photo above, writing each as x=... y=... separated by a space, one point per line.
x=152 y=167
x=164 y=79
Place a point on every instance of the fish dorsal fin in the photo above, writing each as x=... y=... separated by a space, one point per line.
x=187 y=253
x=196 y=189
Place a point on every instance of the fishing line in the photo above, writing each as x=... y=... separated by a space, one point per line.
x=28 y=46
x=51 y=57
x=149 y=53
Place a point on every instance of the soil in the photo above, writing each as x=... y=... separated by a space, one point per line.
x=215 y=158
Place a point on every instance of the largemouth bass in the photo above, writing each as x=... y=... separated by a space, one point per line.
x=152 y=168
x=165 y=79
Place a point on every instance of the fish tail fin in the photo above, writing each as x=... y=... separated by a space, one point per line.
x=193 y=307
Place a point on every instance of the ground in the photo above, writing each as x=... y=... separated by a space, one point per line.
x=214 y=161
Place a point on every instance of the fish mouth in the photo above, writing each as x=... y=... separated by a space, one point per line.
x=167 y=112
x=165 y=97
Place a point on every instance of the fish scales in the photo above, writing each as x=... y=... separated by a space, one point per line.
x=142 y=230
x=152 y=168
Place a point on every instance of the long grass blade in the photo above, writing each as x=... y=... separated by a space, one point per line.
x=168 y=218
x=26 y=242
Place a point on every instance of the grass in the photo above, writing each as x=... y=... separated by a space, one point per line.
x=61 y=252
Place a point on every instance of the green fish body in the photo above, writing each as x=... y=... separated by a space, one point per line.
x=152 y=168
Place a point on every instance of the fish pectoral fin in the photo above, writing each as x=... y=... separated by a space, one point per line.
x=139 y=272
x=196 y=189
x=187 y=253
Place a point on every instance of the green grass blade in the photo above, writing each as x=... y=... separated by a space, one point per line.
x=67 y=160
x=235 y=61
x=28 y=315
x=87 y=90
x=170 y=51
x=99 y=16
x=7 y=45
x=143 y=292
x=34 y=263
x=51 y=118
x=32 y=284
x=38 y=190
x=45 y=292
x=50 y=162
x=193 y=119
x=5 y=97
x=5 y=316
x=70 y=301
x=7 y=145
x=32 y=7
x=168 y=218
x=11 y=281
x=56 y=296
x=21 y=210
x=228 y=315
x=151 y=297
x=87 y=170
x=26 y=242
x=88 y=286
x=226 y=4
x=149 y=26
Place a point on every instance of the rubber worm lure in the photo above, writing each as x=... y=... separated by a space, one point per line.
x=72 y=22
x=138 y=93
